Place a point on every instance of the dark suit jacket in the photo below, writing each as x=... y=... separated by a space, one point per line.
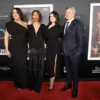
x=73 y=40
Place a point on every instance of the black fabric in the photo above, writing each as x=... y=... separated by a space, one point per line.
x=36 y=40
x=73 y=39
x=53 y=48
x=18 y=50
x=72 y=48
x=36 y=68
x=72 y=70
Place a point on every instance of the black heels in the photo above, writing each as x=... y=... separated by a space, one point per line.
x=51 y=89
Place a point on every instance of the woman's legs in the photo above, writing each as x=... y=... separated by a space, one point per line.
x=52 y=79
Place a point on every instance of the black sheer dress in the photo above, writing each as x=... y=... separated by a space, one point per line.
x=36 y=57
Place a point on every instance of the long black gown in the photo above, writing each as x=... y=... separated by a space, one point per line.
x=53 y=48
x=18 y=49
x=36 y=57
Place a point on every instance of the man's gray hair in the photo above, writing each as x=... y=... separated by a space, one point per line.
x=72 y=8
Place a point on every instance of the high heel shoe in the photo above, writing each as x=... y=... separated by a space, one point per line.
x=19 y=88
x=51 y=89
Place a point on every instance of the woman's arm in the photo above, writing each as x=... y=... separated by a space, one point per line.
x=6 y=41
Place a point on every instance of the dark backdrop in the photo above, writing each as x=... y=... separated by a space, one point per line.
x=82 y=7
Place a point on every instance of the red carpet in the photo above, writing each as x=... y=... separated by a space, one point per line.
x=87 y=91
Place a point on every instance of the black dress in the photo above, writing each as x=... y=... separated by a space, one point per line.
x=53 y=48
x=18 y=49
x=36 y=57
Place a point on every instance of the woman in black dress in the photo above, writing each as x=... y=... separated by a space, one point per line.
x=53 y=46
x=16 y=47
x=36 y=57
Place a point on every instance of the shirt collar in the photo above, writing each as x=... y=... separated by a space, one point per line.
x=70 y=20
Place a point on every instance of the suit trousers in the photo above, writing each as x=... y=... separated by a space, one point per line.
x=72 y=63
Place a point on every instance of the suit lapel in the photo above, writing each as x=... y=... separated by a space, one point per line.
x=71 y=26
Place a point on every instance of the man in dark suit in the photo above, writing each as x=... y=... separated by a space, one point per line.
x=72 y=48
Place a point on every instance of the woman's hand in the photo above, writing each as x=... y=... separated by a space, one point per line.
x=8 y=53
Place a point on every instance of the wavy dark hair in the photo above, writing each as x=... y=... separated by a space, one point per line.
x=56 y=15
x=19 y=12
x=40 y=16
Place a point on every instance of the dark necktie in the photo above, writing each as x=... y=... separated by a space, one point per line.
x=66 y=28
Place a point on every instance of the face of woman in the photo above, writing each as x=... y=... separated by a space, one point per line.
x=52 y=18
x=15 y=15
x=35 y=17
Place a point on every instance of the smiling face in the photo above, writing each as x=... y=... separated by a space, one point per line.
x=35 y=17
x=15 y=15
x=69 y=14
x=52 y=18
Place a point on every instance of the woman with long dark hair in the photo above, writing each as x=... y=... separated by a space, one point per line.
x=16 y=47
x=53 y=34
x=36 y=33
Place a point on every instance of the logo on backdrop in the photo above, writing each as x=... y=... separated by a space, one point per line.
x=96 y=70
x=2 y=52
x=2 y=33
x=3 y=68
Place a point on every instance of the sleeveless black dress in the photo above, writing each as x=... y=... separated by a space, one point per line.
x=18 y=49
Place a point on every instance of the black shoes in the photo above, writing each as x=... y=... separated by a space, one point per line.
x=51 y=89
x=74 y=94
x=66 y=87
x=37 y=90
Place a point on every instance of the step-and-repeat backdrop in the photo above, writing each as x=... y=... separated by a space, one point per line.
x=89 y=66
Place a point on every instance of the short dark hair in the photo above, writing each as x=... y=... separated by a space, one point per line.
x=37 y=11
x=56 y=15
x=19 y=12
